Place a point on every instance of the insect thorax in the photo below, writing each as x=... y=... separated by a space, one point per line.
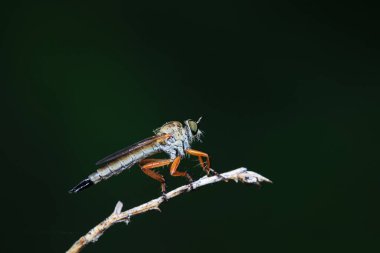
x=179 y=140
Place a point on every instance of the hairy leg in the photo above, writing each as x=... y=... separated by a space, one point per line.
x=148 y=164
x=175 y=173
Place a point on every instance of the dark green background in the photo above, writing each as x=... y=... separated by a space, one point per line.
x=288 y=89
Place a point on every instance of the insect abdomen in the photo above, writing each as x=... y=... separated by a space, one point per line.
x=123 y=163
x=116 y=167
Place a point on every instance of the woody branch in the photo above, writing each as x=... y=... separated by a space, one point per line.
x=238 y=175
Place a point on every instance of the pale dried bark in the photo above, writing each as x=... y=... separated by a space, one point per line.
x=241 y=174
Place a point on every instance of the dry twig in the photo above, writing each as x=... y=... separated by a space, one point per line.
x=241 y=174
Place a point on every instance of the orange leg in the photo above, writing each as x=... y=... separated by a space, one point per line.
x=153 y=162
x=201 y=154
x=148 y=164
x=201 y=162
x=175 y=173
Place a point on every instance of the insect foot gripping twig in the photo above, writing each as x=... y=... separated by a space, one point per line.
x=214 y=173
x=238 y=175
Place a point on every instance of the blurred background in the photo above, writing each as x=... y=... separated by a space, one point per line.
x=289 y=89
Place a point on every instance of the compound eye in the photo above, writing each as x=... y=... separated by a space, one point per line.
x=193 y=126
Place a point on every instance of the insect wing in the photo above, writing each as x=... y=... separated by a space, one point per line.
x=131 y=148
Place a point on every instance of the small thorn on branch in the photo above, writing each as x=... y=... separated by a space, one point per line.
x=127 y=220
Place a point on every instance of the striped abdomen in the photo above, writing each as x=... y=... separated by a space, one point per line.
x=117 y=166
x=125 y=162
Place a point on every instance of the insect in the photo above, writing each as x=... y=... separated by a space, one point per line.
x=173 y=138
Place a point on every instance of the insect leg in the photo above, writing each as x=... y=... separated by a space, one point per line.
x=148 y=164
x=175 y=173
x=155 y=161
x=201 y=154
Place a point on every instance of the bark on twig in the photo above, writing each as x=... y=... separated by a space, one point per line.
x=241 y=174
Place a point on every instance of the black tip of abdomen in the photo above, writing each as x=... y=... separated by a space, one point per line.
x=82 y=185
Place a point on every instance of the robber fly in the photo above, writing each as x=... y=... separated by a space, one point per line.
x=173 y=138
